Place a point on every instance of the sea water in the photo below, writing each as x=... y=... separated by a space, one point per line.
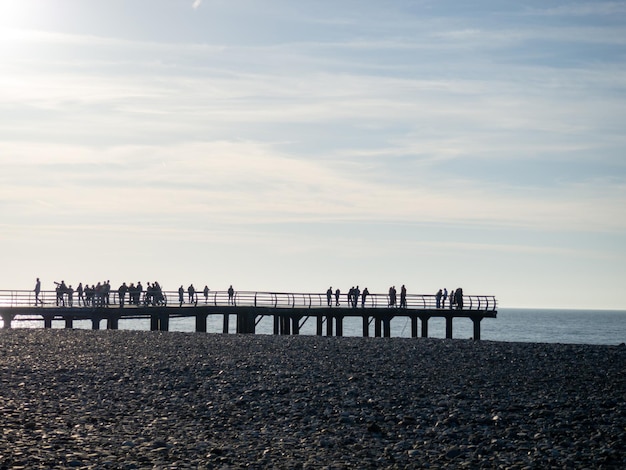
x=512 y=325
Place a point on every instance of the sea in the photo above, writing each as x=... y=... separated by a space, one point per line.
x=606 y=327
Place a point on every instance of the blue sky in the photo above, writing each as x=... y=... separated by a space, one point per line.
x=289 y=146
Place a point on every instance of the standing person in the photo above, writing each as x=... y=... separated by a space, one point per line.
x=192 y=294
x=438 y=298
x=61 y=291
x=107 y=292
x=392 y=296
x=364 y=297
x=329 y=296
x=349 y=295
x=458 y=298
x=181 y=296
x=451 y=301
x=403 y=297
x=206 y=294
x=355 y=296
x=158 y=293
x=80 y=291
x=445 y=296
x=231 y=295
x=138 y=291
x=70 y=296
x=37 y=291
x=337 y=294
x=121 y=292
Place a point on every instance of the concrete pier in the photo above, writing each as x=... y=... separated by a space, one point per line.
x=289 y=312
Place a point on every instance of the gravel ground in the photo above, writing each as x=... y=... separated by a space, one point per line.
x=135 y=400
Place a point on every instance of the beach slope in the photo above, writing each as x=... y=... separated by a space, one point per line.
x=128 y=399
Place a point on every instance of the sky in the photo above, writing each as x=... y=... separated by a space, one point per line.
x=291 y=146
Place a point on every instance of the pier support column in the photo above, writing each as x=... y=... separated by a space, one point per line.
x=476 y=321
x=7 y=318
x=225 y=327
x=276 y=324
x=339 y=325
x=285 y=325
x=449 y=327
x=246 y=323
x=378 y=327
x=113 y=322
x=160 y=321
x=387 y=327
x=320 y=325
x=95 y=323
x=201 y=322
x=329 y=325
x=366 y=326
x=413 y=326
x=47 y=321
x=69 y=322
x=165 y=322
x=424 y=326
x=295 y=324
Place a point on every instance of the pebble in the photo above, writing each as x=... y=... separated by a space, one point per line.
x=134 y=400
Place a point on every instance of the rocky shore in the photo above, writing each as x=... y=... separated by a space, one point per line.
x=135 y=400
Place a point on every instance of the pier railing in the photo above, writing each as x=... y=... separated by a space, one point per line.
x=277 y=300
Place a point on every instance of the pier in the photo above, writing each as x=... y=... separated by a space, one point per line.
x=289 y=311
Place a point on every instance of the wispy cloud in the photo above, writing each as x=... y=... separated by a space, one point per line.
x=196 y=4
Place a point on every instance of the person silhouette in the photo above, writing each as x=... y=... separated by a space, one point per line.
x=231 y=295
x=329 y=296
x=438 y=296
x=80 y=292
x=181 y=296
x=37 y=291
x=192 y=294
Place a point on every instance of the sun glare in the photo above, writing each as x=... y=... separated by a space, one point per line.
x=13 y=13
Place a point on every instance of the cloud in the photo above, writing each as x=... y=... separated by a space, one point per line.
x=250 y=182
x=196 y=4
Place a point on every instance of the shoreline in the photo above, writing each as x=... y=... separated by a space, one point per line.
x=139 y=399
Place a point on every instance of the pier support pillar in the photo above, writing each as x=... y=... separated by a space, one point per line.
x=225 y=326
x=413 y=326
x=424 y=327
x=201 y=322
x=246 y=323
x=339 y=325
x=276 y=324
x=95 y=323
x=378 y=327
x=47 y=321
x=295 y=327
x=320 y=325
x=476 y=321
x=366 y=326
x=160 y=321
x=7 y=318
x=113 y=322
x=285 y=325
x=69 y=322
x=387 y=327
x=329 y=325
x=449 y=327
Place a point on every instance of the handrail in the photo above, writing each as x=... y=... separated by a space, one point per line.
x=26 y=298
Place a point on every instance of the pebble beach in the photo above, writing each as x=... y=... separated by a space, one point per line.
x=150 y=400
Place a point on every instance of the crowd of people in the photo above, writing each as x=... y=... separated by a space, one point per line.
x=99 y=295
x=455 y=297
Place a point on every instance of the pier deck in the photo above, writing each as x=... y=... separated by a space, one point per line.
x=289 y=311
